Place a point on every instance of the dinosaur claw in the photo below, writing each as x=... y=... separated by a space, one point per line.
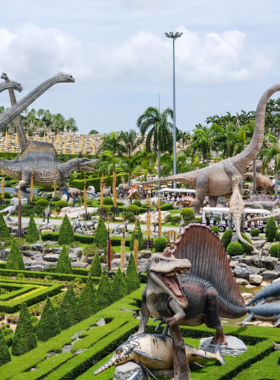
x=159 y=325
x=157 y=319
x=165 y=331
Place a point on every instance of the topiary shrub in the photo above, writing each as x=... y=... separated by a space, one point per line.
x=61 y=204
x=25 y=338
x=274 y=250
x=235 y=249
x=188 y=215
x=15 y=260
x=270 y=229
x=133 y=208
x=160 y=244
x=108 y=201
x=118 y=286
x=101 y=234
x=277 y=236
x=64 y=262
x=32 y=234
x=226 y=238
x=42 y=202
x=5 y=355
x=254 y=232
x=68 y=313
x=139 y=237
x=132 y=281
x=66 y=235
x=175 y=219
x=48 y=325
x=215 y=229
x=129 y=216
x=137 y=203
x=246 y=248
x=4 y=230
x=87 y=302
x=104 y=292
x=95 y=268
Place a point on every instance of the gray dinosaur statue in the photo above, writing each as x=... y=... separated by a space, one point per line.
x=266 y=312
x=47 y=212
x=262 y=201
x=152 y=351
x=118 y=230
x=204 y=295
x=9 y=210
x=269 y=293
x=216 y=180
x=20 y=130
x=10 y=85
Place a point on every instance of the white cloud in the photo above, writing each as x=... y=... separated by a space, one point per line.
x=34 y=53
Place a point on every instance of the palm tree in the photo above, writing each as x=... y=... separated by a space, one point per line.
x=201 y=142
x=108 y=161
x=269 y=152
x=130 y=141
x=160 y=136
x=112 y=142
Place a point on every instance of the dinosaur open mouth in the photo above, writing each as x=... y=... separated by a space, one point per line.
x=170 y=280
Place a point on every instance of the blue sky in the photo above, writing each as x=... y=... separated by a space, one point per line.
x=121 y=60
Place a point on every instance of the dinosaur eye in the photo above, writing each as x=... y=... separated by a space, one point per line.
x=118 y=352
x=157 y=260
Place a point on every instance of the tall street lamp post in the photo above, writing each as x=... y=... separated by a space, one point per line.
x=174 y=36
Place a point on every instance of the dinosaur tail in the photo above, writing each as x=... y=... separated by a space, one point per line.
x=187 y=178
x=265 y=217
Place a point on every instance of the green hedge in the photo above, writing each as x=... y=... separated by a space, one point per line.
x=79 y=183
x=54 y=237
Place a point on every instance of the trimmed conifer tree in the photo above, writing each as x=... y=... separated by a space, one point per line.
x=118 y=286
x=66 y=235
x=87 y=302
x=68 y=313
x=95 y=268
x=32 y=234
x=64 y=262
x=100 y=237
x=131 y=277
x=15 y=260
x=270 y=229
x=104 y=293
x=48 y=325
x=4 y=230
x=139 y=237
x=5 y=355
x=25 y=337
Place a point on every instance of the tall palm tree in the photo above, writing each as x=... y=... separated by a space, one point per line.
x=108 y=161
x=112 y=142
x=159 y=128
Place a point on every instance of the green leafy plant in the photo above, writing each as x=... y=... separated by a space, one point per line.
x=4 y=230
x=139 y=237
x=254 y=232
x=25 y=338
x=87 y=302
x=61 y=204
x=215 y=229
x=95 y=268
x=188 y=215
x=277 y=236
x=131 y=276
x=226 y=238
x=66 y=235
x=137 y=203
x=160 y=244
x=274 y=250
x=101 y=234
x=246 y=248
x=118 y=286
x=68 y=313
x=104 y=293
x=48 y=325
x=5 y=355
x=235 y=249
x=32 y=234
x=64 y=262
x=15 y=260
x=133 y=208
x=270 y=230
x=42 y=202
x=108 y=201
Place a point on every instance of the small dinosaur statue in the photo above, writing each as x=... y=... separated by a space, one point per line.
x=266 y=312
x=237 y=208
x=262 y=201
x=216 y=180
x=73 y=193
x=269 y=293
x=204 y=295
x=152 y=351
x=47 y=212
x=9 y=210
x=262 y=180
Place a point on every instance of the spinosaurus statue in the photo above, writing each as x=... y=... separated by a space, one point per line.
x=154 y=351
x=216 y=180
x=40 y=156
x=204 y=295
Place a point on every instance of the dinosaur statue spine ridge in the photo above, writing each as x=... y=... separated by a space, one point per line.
x=203 y=248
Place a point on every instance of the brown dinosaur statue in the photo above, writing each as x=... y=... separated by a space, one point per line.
x=262 y=180
x=216 y=180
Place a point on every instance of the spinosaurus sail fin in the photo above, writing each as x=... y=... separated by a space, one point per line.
x=209 y=261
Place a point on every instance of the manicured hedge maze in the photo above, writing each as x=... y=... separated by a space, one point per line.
x=25 y=291
x=258 y=363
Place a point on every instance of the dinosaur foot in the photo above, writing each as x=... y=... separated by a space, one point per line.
x=169 y=322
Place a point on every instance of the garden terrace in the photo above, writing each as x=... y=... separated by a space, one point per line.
x=30 y=292
x=99 y=342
